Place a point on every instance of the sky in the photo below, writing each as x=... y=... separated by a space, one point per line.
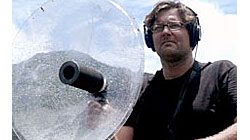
x=217 y=19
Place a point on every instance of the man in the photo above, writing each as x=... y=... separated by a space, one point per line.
x=186 y=99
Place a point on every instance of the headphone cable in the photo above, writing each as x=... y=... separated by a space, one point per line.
x=195 y=51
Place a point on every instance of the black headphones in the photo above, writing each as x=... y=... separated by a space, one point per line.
x=194 y=31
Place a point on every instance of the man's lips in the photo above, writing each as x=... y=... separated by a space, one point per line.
x=168 y=43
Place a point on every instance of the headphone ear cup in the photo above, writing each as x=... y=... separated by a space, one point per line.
x=194 y=33
x=198 y=30
x=148 y=36
x=197 y=33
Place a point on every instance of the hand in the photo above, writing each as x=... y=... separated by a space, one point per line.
x=97 y=111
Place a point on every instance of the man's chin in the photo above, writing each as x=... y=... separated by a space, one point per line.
x=169 y=48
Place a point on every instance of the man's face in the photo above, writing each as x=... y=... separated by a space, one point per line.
x=171 y=45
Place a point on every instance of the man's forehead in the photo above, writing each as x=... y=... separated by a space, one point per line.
x=168 y=15
x=168 y=12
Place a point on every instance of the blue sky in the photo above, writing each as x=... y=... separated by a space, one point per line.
x=23 y=8
x=217 y=18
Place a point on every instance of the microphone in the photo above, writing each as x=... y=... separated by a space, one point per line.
x=82 y=77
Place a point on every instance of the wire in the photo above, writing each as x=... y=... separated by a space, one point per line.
x=195 y=52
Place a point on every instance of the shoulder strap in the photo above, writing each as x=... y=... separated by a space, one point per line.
x=188 y=92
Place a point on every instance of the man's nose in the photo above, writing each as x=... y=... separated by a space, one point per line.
x=166 y=30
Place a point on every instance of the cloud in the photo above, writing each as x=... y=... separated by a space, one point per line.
x=219 y=32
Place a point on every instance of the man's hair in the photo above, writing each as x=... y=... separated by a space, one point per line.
x=186 y=14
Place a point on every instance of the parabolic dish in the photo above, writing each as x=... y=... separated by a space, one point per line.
x=97 y=34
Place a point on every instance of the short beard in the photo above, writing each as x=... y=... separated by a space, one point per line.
x=173 y=58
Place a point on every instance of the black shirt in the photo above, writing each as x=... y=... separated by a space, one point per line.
x=163 y=101
x=211 y=111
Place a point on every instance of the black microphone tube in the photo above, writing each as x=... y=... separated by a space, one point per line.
x=82 y=77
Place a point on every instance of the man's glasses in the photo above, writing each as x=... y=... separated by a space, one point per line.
x=172 y=26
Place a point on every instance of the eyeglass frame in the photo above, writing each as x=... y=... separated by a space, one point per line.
x=168 y=26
